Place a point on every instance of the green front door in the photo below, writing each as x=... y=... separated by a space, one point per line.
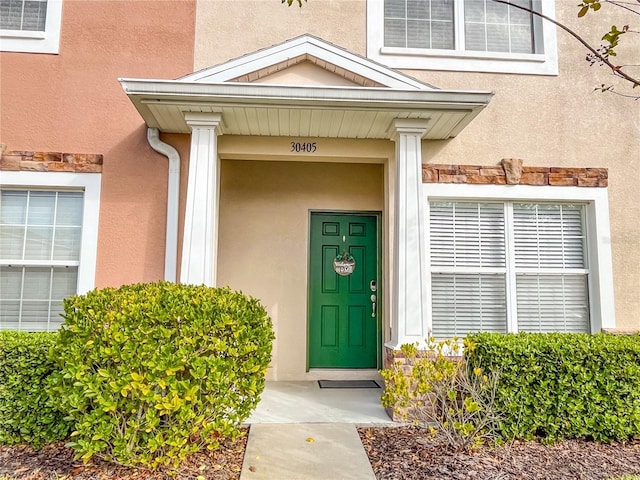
x=343 y=293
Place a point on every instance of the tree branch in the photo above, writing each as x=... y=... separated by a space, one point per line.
x=616 y=69
x=624 y=5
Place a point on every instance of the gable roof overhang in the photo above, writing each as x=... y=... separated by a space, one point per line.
x=248 y=106
x=266 y=61
x=304 y=111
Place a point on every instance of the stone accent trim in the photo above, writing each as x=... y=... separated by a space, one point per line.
x=496 y=175
x=50 y=161
x=620 y=331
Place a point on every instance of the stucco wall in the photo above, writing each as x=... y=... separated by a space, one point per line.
x=72 y=102
x=555 y=121
x=265 y=23
x=264 y=224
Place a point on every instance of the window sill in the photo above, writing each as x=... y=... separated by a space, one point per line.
x=22 y=34
x=28 y=42
x=466 y=61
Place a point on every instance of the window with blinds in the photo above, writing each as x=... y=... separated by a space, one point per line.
x=475 y=25
x=40 y=236
x=507 y=266
x=550 y=267
x=419 y=24
x=23 y=15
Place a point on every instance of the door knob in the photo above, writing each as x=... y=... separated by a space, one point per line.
x=373 y=305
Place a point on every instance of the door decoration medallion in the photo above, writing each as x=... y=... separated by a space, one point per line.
x=344 y=264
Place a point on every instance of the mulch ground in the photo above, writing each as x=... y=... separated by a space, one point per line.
x=403 y=453
x=55 y=462
x=396 y=453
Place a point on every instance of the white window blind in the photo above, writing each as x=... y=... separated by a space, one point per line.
x=467 y=303
x=551 y=273
x=468 y=268
x=419 y=23
x=486 y=255
x=475 y=25
x=496 y=27
x=40 y=233
x=23 y=15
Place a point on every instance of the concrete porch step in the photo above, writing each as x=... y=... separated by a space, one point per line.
x=306 y=402
x=305 y=451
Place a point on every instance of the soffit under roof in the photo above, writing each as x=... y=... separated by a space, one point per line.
x=248 y=106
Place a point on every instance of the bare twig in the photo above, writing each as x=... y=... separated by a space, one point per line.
x=624 y=5
x=616 y=69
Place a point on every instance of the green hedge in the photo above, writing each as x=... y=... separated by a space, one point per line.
x=556 y=386
x=154 y=372
x=26 y=415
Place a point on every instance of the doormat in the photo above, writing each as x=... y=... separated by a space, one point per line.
x=348 y=384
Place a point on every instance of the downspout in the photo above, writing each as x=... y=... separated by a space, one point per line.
x=173 y=199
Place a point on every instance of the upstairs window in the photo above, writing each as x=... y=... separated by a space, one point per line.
x=472 y=25
x=419 y=24
x=468 y=35
x=24 y=15
x=31 y=26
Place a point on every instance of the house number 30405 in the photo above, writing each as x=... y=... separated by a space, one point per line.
x=306 y=147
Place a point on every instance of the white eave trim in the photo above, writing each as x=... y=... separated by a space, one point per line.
x=162 y=103
x=288 y=95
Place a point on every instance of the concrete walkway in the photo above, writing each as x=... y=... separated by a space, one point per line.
x=304 y=451
x=300 y=431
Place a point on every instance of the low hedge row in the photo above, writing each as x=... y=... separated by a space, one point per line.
x=26 y=413
x=556 y=386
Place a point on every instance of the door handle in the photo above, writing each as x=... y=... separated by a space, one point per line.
x=373 y=305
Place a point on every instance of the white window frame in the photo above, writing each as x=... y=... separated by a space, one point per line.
x=90 y=184
x=465 y=60
x=36 y=42
x=597 y=230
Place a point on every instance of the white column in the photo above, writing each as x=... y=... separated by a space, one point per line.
x=409 y=321
x=200 y=242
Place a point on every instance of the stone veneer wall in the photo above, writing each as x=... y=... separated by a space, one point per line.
x=50 y=161
x=503 y=175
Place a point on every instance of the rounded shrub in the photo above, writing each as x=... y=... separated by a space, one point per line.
x=151 y=373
